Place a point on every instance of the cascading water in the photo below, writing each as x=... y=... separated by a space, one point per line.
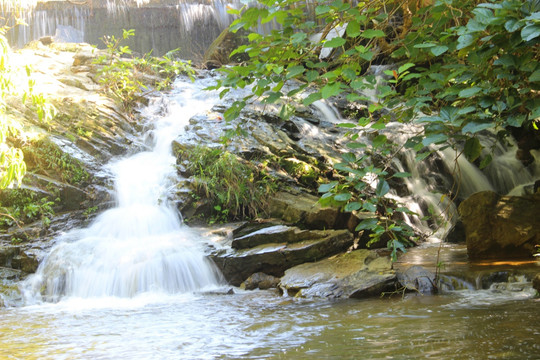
x=140 y=245
x=431 y=185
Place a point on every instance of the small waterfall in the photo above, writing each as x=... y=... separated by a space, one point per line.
x=446 y=174
x=140 y=245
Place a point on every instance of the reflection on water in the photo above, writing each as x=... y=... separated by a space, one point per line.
x=262 y=325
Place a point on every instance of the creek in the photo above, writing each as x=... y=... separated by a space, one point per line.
x=135 y=284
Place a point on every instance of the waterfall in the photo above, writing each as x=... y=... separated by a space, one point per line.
x=140 y=245
x=188 y=25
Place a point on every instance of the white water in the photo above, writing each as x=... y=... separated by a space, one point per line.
x=140 y=246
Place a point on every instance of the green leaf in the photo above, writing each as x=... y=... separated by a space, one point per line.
x=405 y=67
x=467 y=93
x=512 y=25
x=530 y=32
x=323 y=188
x=379 y=140
x=424 y=45
x=298 y=38
x=439 y=50
x=434 y=139
x=343 y=197
x=353 y=29
x=322 y=9
x=331 y=89
x=356 y=145
x=371 y=33
x=349 y=157
x=311 y=98
x=382 y=188
x=334 y=43
x=473 y=149
x=367 y=224
x=294 y=71
x=369 y=206
x=535 y=76
x=401 y=175
x=352 y=206
x=485 y=161
x=465 y=41
x=474 y=127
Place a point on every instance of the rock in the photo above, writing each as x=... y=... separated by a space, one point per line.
x=275 y=258
x=501 y=227
x=262 y=281
x=303 y=209
x=536 y=283
x=417 y=278
x=357 y=274
x=273 y=234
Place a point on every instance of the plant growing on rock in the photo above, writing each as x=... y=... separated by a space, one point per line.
x=127 y=78
x=234 y=187
x=460 y=68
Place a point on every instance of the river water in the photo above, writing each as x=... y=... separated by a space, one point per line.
x=262 y=325
x=135 y=285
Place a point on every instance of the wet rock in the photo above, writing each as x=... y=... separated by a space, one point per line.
x=501 y=227
x=261 y=281
x=536 y=283
x=275 y=258
x=417 y=278
x=357 y=274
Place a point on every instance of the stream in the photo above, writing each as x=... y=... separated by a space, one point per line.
x=135 y=285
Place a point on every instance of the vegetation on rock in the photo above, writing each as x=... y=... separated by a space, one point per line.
x=235 y=188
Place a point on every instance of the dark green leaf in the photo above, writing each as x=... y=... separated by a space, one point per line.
x=343 y=197
x=434 y=139
x=467 y=93
x=367 y=224
x=474 y=127
x=473 y=149
x=369 y=206
x=382 y=188
x=401 y=175
x=352 y=206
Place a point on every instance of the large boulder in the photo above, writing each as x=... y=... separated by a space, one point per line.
x=501 y=227
x=279 y=252
x=357 y=274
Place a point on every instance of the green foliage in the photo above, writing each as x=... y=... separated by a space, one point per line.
x=24 y=206
x=461 y=68
x=235 y=188
x=12 y=165
x=127 y=78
